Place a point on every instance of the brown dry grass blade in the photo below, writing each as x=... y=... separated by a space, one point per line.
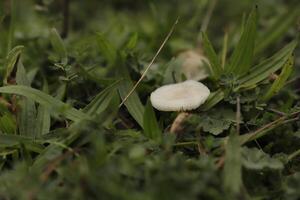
x=150 y=64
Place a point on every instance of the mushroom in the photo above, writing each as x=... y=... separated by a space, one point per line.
x=194 y=65
x=184 y=96
x=187 y=95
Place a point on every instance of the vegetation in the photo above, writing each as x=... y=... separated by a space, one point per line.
x=76 y=121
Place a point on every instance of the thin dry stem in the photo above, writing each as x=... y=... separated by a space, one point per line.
x=150 y=64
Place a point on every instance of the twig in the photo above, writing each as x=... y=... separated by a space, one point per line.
x=292 y=80
x=208 y=15
x=251 y=136
x=150 y=64
x=261 y=132
x=276 y=111
x=194 y=143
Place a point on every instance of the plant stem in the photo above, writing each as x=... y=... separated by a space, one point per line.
x=186 y=143
x=270 y=126
x=294 y=155
x=224 y=50
x=151 y=62
x=207 y=17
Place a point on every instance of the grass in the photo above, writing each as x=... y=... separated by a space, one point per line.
x=76 y=121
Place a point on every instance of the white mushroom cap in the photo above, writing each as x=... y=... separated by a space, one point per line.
x=187 y=95
x=194 y=65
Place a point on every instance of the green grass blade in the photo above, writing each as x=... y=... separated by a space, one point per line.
x=102 y=100
x=151 y=127
x=46 y=100
x=14 y=140
x=213 y=99
x=242 y=56
x=42 y=120
x=233 y=165
x=27 y=113
x=277 y=29
x=132 y=42
x=58 y=45
x=25 y=155
x=280 y=81
x=106 y=48
x=215 y=65
x=11 y=61
x=7 y=124
x=266 y=67
x=133 y=103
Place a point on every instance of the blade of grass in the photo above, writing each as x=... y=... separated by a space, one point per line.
x=213 y=99
x=43 y=119
x=151 y=127
x=133 y=103
x=106 y=48
x=224 y=50
x=7 y=124
x=44 y=99
x=58 y=45
x=27 y=113
x=278 y=28
x=280 y=81
x=11 y=61
x=215 y=66
x=14 y=140
x=242 y=56
x=102 y=100
x=233 y=165
x=266 y=67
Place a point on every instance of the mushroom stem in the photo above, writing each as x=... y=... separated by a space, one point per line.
x=176 y=126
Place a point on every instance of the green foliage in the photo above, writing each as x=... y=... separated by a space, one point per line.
x=279 y=26
x=264 y=69
x=215 y=65
x=64 y=134
x=151 y=128
x=280 y=81
x=133 y=103
x=233 y=165
x=11 y=60
x=213 y=99
x=242 y=56
x=44 y=99
x=215 y=122
x=258 y=160
x=102 y=100
x=58 y=46
x=27 y=114
x=106 y=48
